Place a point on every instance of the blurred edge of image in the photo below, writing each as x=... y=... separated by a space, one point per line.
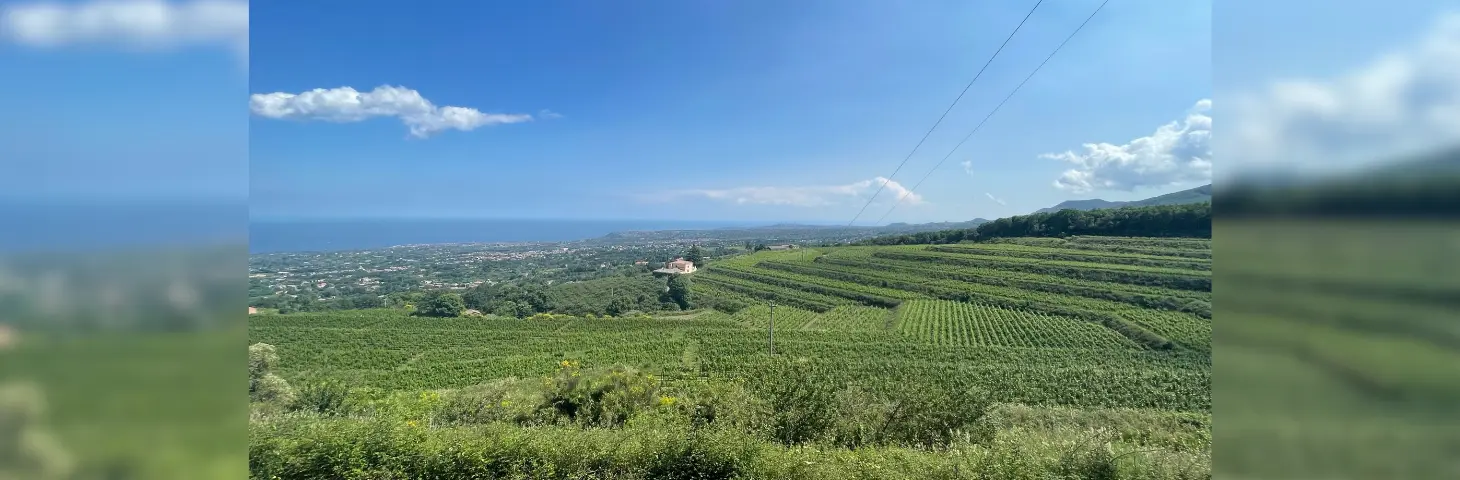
x=124 y=210
x=1338 y=347
x=121 y=326
x=120 y=340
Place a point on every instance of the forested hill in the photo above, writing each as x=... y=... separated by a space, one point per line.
x=1188 y=220
x=1422 y=186
x=1194 y=195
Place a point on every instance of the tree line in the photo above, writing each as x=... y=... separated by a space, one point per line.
x=1190 y=220
x=603 y=297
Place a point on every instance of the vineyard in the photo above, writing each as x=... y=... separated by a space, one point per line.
x=956 y=323
x=1084 y=321
x=1106 y=333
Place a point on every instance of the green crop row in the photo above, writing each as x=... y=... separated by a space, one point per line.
x=1106 y=273
x=1176 y=243
x=1198 y=303
x=1205 y=253
x=863 y=294
x=1092 y=310
x=939 y=288
x=854 y=318
x=797 y=298
x=403 y=359
x=1044 y=253
x=957 y=323
x=1188 y=330
x=759 y=317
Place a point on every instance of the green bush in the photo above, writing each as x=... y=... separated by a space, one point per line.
x=723 y=405
x=801 y=402
x=328 y=397
x=303 y=447
x=508 y=400
x=598 y=398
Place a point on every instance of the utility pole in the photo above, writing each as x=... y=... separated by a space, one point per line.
x=771 y=333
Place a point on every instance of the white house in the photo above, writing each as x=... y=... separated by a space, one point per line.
x=679 y=265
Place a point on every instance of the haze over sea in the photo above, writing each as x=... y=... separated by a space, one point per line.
x=271 y=236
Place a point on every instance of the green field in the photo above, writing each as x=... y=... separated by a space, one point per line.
x=1340 y=349
x=1085 y=326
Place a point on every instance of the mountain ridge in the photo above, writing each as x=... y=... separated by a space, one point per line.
x=1191 y=195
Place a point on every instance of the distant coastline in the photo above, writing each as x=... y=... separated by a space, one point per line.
x=299 y=235
x=279 y=236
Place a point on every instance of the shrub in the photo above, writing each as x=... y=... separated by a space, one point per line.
x=801 y=402
x=507 y=400
x=724 y=405
x=328 y=397
x=598 y=398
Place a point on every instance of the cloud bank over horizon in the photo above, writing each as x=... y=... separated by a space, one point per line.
x=796 y=196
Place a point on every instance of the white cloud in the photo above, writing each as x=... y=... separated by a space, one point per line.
x=801 y=196
x=345 y=104
x=1403 y=102
x=991 y=196
x=967 y=166
x=147 y=24
x=1177 y=152
x=549 y=114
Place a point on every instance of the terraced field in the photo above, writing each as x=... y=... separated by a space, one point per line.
x=1086 y=322
x=956 y=323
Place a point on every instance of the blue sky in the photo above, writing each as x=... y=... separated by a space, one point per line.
x=688 y=110
x=97 y=114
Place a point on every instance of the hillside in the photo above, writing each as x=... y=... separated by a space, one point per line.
x=1185 y=220
x=1194 y=195
x=1032 y=340
x=1420 y=186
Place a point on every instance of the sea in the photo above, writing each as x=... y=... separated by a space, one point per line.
x=272 y=236
x=48 y=226
x=30 y=227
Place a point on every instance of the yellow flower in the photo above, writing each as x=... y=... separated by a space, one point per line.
x=666 y=401
x=506 y=404
x=412 y=423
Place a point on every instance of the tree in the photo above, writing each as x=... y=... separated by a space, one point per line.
x=618 y=305
x=441 y=304
x=263 y=385
x=679 y=291
x=507 y=308
x=695 y=256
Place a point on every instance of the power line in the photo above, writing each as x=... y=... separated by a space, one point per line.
x=995 y=110
x=945 y=113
